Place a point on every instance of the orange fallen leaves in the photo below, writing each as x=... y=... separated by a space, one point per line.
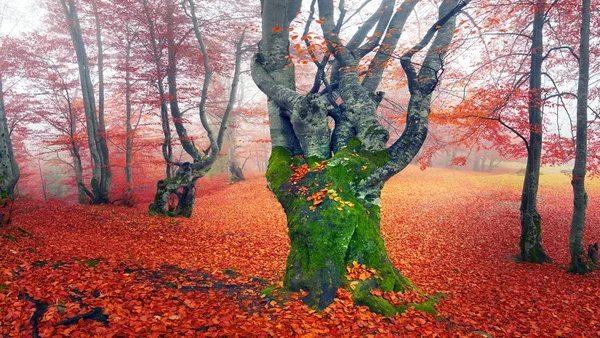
x=299 y=173
x=166 y=277
x=358 y=271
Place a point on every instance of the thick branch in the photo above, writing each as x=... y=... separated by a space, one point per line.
x=392 y=36
x=419 y=107
x=281 y=95
x=437 y=48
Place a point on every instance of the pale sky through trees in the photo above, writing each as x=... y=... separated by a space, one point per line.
x=18 y=16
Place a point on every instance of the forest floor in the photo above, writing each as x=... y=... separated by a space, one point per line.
x=107 y=270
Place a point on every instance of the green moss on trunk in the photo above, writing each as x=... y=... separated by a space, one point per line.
x=530 y=243
x=331 y=225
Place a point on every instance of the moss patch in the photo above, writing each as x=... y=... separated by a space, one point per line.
x=429 y=305
x=92 y=262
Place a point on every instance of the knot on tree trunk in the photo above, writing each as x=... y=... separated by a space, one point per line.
x=175 y=196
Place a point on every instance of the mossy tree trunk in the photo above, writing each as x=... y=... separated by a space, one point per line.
x=530 y=243
x=333 y=223
x=175 y=196
x=328 y=180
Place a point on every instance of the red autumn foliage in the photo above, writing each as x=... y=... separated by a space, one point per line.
x=152 y=276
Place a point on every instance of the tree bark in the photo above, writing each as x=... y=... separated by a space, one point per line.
x=128 y=127
x=9 y=170
x=106 y=177
x=530 y=243
x=339 y=227
x=82 y=196
x=580 y=262
x=235 y=171
x=175 y=196
x=42 y=180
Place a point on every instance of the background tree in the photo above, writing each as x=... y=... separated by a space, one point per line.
x=517 y=51
x=9 y=170
x=183 y=185
x=329 y=181
x=101 y=173
x=530 y=243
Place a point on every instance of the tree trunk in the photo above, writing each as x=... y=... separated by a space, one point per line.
x=128 y=128
x=580 y=263
x=167 y=148
x=106 y=174
x=181 y=188
x=9 y=170
x=42 y=180
x=235 y=171
x=530 y=243
x=476 y=163
x=82 y=197
x=331 y=225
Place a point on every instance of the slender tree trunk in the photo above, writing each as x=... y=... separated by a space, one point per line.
x=580 y=263
x=476 y=163
x=82 y=196
x=531 y=230
x=167 y=148
x=42 y=180
x=128 y=128
x=106 y=178
x=9 y=170
x=235 y=171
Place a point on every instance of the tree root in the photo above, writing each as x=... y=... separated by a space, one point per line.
x=96 y=314
x=40 y=309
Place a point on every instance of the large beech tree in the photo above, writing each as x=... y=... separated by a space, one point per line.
x=329 y=180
